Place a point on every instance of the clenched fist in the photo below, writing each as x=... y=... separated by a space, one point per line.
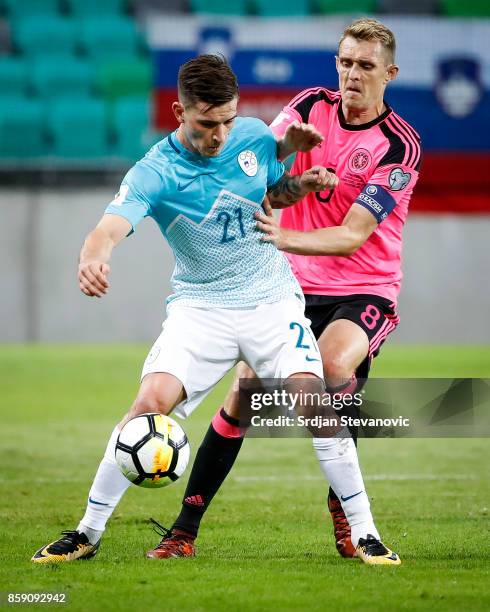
x=301 y=137
x=318 y=178
x=92 y=278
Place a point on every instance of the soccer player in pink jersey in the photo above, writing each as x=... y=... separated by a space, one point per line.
x=350 y=295
x=344 y=246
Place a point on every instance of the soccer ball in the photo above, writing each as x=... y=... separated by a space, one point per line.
x=152 y=450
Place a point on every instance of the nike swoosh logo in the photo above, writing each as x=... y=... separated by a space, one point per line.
x=350 y=496
x=181 y=187
x=92 y=501
x=308 y=358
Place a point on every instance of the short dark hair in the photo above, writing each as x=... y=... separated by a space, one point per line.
x=209 y=79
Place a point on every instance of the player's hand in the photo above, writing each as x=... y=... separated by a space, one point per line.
x=267 y=223
x=92 y=278
x=301 y=137
x=318 y=178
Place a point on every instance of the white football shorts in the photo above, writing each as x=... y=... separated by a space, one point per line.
x=200 y=345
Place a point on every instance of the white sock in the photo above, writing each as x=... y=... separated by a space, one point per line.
x=108 y=487
x=340 y=465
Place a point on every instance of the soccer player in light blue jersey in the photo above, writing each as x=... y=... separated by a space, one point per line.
x=234 y=295
x=346 y=261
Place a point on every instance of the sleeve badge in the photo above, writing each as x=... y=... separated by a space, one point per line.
x=398 y=179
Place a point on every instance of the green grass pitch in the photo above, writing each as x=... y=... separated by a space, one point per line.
x=266 y=542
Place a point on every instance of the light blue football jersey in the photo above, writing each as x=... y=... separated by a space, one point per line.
x=205 y=208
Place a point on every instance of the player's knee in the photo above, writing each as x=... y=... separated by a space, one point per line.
x=304 y=381
x=337 y=369
x=308 y=390
x=232 y=404
x=243 y=370
x=150 y=402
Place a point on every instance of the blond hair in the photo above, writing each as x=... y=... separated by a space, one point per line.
x=372 y=29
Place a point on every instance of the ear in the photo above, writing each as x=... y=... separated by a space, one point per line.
x=178 y=110
x=337 y=63
x=391 y=73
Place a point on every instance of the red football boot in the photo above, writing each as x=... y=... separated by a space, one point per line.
x=174 y=543
x=341 y=529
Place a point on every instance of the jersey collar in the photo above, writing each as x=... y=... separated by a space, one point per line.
x=362 y=126
x=179 y=148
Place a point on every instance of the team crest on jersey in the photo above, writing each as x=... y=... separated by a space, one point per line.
x=398 y=179
x=248 y=162
x=359 y=160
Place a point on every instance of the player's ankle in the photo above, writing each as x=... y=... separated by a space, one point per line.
x=362 y=530
x=176 y=531
x=93 y=535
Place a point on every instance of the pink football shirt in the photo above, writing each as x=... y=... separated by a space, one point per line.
x=378 y=165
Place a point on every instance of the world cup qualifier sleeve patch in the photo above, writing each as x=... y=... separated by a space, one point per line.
x=377 y=200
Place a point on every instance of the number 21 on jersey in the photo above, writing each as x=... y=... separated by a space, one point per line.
x=232 y=223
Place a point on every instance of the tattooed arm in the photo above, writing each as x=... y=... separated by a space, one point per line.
x=290 y=189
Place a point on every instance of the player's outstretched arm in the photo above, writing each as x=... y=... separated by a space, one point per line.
x=298 y=137
x=290 y=189
x=342 y=240
x=93 y=267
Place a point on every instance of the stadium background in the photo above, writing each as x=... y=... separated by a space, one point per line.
x=83 y=91
x=85 y=88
